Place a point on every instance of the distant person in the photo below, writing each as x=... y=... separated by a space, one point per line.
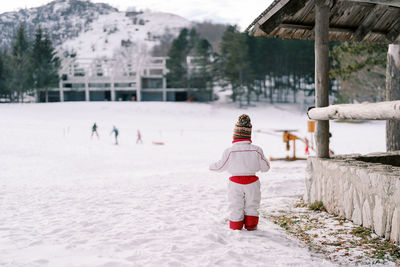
x=139 y=137
x=115 y=131
x=242 y=161
x=94 y=131
x=331 y=153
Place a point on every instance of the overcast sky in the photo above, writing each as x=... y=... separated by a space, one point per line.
x=238 y=12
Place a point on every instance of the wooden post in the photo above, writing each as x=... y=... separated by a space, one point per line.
x=393 y=93
x=87 y=93
x=60 y=85
x=322 y=73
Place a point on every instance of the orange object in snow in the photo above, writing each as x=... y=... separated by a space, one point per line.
x=311 y=126
x=158 y=143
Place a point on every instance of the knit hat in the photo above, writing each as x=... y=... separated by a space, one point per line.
x=242 y=128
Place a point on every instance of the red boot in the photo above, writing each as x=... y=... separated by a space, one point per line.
x=250 y=222
x=236 y=225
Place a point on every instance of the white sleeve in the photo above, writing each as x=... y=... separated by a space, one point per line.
x=221 y=164
x=264 y=163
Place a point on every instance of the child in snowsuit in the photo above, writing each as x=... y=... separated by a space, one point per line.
x=242 y=161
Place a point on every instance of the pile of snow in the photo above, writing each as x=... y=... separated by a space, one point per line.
x=69 y=200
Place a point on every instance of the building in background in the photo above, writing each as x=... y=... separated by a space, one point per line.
x=88 y=79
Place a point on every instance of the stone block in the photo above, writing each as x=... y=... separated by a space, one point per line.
x=379 y=218
x=395 y=231
x=366 y=214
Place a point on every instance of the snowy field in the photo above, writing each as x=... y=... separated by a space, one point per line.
x=69 y=200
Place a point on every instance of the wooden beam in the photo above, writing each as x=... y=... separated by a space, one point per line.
x=257 y=32
x=388 y=110
x=368 y=23
x=394 y=3
x=273 y=11
x=322 y=73
x=275 y=16
x=394 y=32
x=310 y=5
x=311 y=28
x=293 y=26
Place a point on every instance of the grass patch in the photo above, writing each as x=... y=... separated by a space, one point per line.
x=380 y=249
x=335 y=237
x=317 y=206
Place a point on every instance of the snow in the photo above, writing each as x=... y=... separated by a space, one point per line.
x=105 y=34
x=69 y=200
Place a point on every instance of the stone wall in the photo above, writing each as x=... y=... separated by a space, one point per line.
x=360 y=189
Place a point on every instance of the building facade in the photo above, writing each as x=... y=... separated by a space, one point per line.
x=87 y=79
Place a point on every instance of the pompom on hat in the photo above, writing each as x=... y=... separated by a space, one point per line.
x=242 y=128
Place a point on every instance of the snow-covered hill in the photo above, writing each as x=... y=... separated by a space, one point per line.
x=91 y=29
x=116 y=30
x=62 y=19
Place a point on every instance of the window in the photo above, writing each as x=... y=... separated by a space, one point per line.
x=78 y=85
x=119 y=85
x=99 y=85
x=157 y=61
x=152 y=83
x=156 y=71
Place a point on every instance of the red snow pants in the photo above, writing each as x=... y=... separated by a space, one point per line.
x=244 y=201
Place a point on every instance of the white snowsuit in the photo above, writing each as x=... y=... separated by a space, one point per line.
x=242 y=161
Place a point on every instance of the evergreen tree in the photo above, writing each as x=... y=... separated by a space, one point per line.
x=176 y=62
x=189 y=43
x=45 y=63
x=5 y=91
x=234 y=62
x=360 y=69
x=201 y=78
x=2 y=78
x=20 y=61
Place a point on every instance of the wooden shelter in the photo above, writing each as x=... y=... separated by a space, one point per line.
x=373 y=21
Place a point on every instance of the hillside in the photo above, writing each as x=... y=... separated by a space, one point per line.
x=91 y=29
x=61 y=19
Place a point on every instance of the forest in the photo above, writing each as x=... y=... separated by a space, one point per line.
x=274 y=69
x=28 y=66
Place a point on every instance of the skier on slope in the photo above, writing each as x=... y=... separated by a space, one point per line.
x=242 y=161
x=139 y=137
x=115 y=131
x=94 y=131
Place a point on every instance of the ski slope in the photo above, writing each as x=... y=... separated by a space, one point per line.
x=69 y=200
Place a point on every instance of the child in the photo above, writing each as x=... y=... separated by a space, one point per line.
x=242 y=161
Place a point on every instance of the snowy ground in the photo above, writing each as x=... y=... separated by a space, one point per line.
x=67 y=200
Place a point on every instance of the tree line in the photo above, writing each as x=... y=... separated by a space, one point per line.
x=251 y=67
x=275 y=69
x=360 y=69
x=28 y=66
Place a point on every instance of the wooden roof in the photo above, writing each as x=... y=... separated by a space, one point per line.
x=374 y=21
